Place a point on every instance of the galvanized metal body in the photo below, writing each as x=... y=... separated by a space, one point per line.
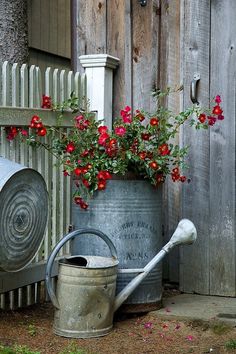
x=86 y=296
x=85 y=293
x=129 y=211
x=23 y=214
x=85 y=300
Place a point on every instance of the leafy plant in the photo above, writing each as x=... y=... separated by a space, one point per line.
x=231 y=344
x=18 y=349
x=32 y=330
x=139 y=143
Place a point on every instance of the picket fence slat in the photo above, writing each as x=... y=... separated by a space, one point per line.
x=21 y=97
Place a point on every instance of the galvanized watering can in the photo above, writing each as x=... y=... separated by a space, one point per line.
x=85 y=302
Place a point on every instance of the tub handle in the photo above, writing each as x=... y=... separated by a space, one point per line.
x=57 y=248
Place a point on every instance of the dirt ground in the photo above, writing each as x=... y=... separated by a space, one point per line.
x=132 y=334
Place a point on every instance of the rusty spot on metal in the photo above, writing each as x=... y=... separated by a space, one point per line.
x=140 y=308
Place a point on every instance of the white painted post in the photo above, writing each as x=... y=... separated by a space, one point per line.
x=99 y=71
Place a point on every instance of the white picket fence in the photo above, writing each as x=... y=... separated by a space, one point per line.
x=21 y=90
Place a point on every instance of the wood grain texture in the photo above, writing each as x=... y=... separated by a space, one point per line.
x=170 y=76
x=194 y=267
x=119 y=44
x=90 y=34
x=222 y=151
x=145 y=53
x=49 y=26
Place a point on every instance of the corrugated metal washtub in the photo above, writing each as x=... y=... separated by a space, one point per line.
x=129 y=211
x=23 y=214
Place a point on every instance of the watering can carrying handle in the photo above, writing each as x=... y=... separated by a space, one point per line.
x=57 y=248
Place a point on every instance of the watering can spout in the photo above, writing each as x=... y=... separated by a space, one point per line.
x=185 y=234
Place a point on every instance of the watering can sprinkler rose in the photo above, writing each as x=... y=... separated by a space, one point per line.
x=140 y=143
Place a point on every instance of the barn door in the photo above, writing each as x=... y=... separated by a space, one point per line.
x=209 y=40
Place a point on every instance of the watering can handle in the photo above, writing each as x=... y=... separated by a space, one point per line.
x=57 y=248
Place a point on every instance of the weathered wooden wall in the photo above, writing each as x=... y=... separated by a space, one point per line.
x=130 y=32
x=49 y=28
x=209 y=200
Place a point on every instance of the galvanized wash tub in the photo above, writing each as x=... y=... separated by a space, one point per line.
x=23 y=214
x=129 y=212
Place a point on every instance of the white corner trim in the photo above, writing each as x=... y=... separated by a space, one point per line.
x=99 y=60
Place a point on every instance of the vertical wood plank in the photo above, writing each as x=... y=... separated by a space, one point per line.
x=48 y=82
x=6 y=84
x=44 y=25
x=195 y=203
x=35 y=23
x=32 y=86
x=24 y=85
x=63 y=86
x=61 y=42
x=170 y=76
x=70 y=83
x=145 y=52
x=77 y=85
x=222 y=151
x=91 y=28
x=53 y=25
x=38 y=87
x=119 y=44
x=15 y=85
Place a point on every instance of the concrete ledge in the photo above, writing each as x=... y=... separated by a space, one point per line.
x=205 y=308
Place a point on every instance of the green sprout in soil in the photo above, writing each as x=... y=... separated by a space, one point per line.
x=231 y=344
x=18 y=349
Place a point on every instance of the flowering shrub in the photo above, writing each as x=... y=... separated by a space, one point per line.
x=140 y=143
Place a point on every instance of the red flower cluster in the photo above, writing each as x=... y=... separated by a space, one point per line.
x=46 y=102
x=12 y=132
x=216 y=114
x=175 y=175
x=126 y=114
x=81 y=122
x=36 y=123
x=141 y=143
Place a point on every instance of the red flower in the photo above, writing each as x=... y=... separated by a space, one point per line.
x=85 y=183
x=46 y=102
x=77 y=171
x=218 y=99
x=182 y=179
x=66 y=173
x=164 y=149
x=112 y=142
x=160 y=178
x=70 y=147
x=102 y=129
x=42 y=131
x=154 y=122
x=11 y=132
x=139 y=115
x=142 y=155
x=202 y=118
x=102 y=139
x=153 y=165
x=221 y=117
x=126 y=115
x=145 y=136
x=101 y=185
x=24 y=132
x=85 y=153
x=211 y=120
x=217 y=110
x=120 y=131
x=104 y=175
